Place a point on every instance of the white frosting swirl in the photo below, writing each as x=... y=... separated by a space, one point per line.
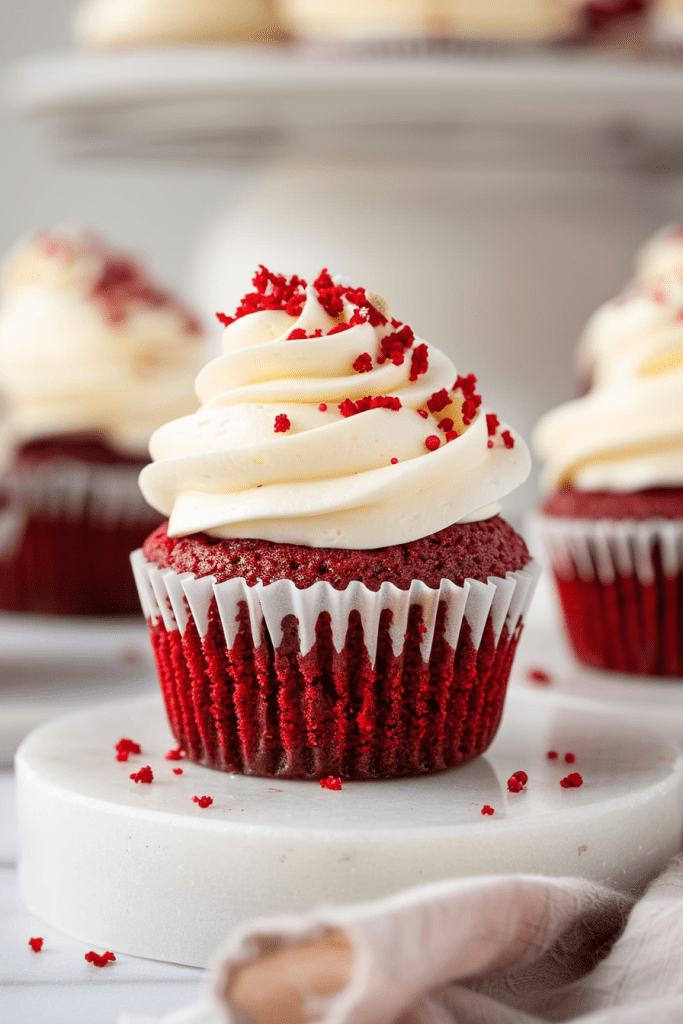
x=87 y=343
x=329 y=480
x=626 y=434
x=661 y=255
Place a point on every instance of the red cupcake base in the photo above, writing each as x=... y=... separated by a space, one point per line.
x=277 y=713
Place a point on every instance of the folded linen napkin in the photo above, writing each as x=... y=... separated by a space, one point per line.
x=516 y=949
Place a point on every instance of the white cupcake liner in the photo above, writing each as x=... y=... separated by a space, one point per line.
x=175 y=598
x=602 y=549
x=73 y=489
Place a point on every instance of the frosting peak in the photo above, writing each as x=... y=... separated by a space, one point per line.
x=326 y=422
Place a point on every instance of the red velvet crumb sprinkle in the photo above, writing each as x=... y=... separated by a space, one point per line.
x=349 y=408
x=489 y=443
x=432 y=442
x=508 y=439
x=298 y=334
x=395 y=345
x=394 y=461
x=487 y=809
x=338 y=329
x=282 y=424
x=322 y=407
x=451 y=435
x=99 y=960
x=570 y=758
x=538 y=675
x=36 y=944
x=144 y=775
x=364 y=363
x=330 y=295
x=203 y=801
x=125 y=747
x=446 y=424
x=572 y=781
x=517 y=782
x=177 y=771
x=176 y=754
x=331 y=782
x=272 y=291
x=439 y=401
x=492 y=423
x=419 y=362
x=472 y=400
x=552 y=755
x=423 y=413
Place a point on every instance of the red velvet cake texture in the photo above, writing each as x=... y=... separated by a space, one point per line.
x=66 y=562
x=627 y=625
x=258 y=710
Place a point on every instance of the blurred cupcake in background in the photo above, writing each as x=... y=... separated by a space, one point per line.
x=613 y=516
x=105 y=24
x=666 y=24
x=93 y=357
x=495 y=20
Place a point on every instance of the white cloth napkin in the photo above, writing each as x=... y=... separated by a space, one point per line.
x=515 y=949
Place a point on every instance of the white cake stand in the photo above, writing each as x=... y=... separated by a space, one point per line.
x=494 y=201
x=142 y=869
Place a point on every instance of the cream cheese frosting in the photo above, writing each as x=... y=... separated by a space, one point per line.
x=327 y=423
x=524 y=20
x=661 y=255
x=88 y=343
x=119 y=23
x=626 y=434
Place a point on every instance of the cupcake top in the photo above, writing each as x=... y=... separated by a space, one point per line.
x=89 y=343
x=626 y=434
x=328 y=423
x=119 y=23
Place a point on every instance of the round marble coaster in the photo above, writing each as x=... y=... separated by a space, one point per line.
x=143 y=869
x=53 y=664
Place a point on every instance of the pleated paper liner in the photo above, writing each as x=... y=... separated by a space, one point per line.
x=75 y=525
x=281 y=682
x=620 y=585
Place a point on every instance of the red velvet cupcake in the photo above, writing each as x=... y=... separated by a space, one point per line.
x=613 y=520
x=93 y=357
x=335 y=593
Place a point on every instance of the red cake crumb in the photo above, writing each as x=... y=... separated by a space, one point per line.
x=487 y=809
x=99 y=960
x=177 y=771
x=419 y=362
x=331 y=782
x=36 y=944
x=364 y=363
x=176 y=754
x=394 y=346
x=423 y=413
x=272 y=291
x=446 y=424
x=282 y=424
x=492 y=423
x=339 y=329
x=552 y=755
x=517 y=782
x=144 y=775
x=349 y=408
x=203 y=801
x=432 y=442
x=538 y=675
x=572 y=781
x=125 y=747
x=439 y=400
x=570 y=758
x=508 y=439
x=322 y=407
x=486 y=548
x=394 y=462
x=451 y=435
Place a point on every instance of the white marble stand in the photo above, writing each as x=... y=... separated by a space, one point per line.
x=142 y=869
x=53 y=664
